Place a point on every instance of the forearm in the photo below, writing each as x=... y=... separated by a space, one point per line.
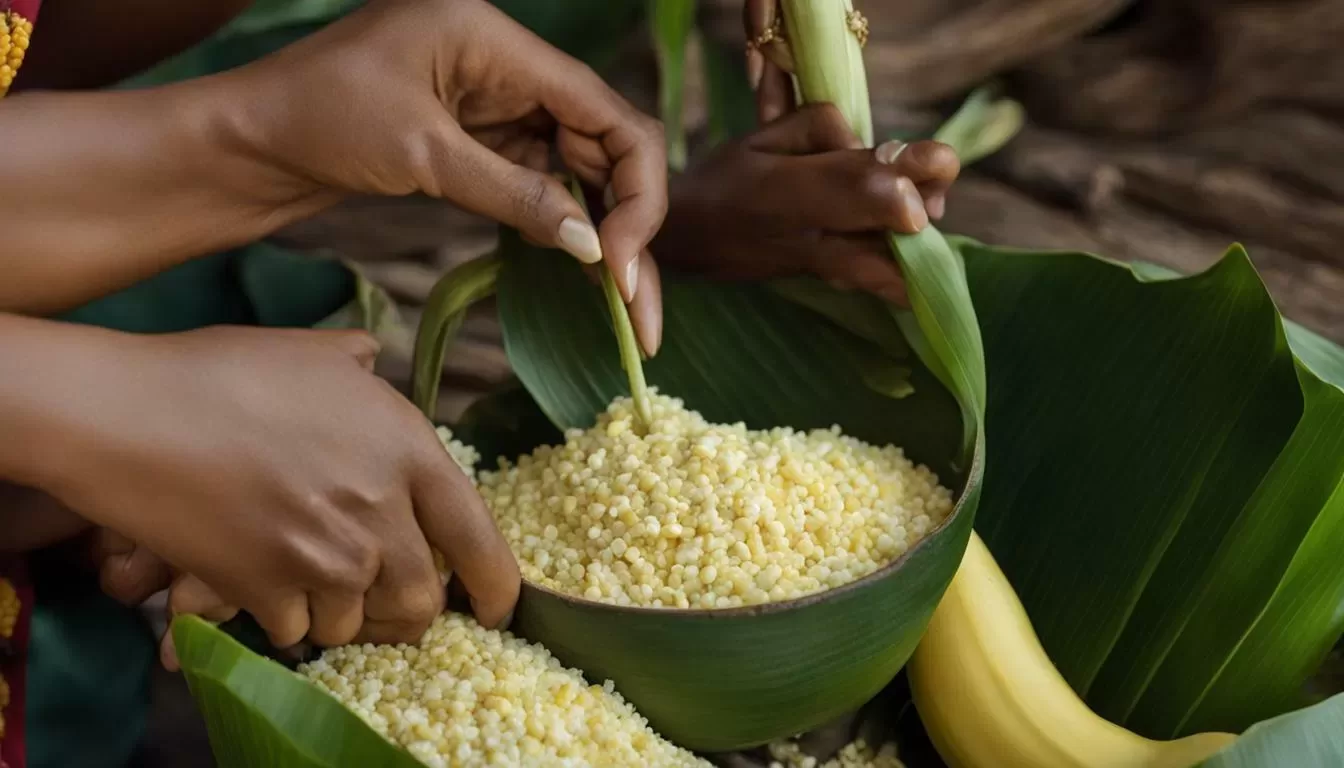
x=101 y=190
x=30 y=520
x=53 y=376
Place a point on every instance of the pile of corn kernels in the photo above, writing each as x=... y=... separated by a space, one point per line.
x=468 y=696
x=856 y=754
x=692 y=514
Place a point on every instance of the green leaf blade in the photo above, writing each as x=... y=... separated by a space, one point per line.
x=259 y=713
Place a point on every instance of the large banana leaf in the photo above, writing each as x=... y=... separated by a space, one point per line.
x=1163 y=488
x=1309 y=738
x=261 y=714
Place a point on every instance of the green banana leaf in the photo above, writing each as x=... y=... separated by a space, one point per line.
x=261 y=714
x=1163 y=486
x=1309 y=738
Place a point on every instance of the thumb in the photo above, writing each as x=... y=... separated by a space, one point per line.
x=535 y=203
x=361 y=345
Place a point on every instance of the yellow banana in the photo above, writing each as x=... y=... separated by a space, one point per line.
x=990 y=697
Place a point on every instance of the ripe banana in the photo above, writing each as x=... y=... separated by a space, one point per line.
x=990 y=697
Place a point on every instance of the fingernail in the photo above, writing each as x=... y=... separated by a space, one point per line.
x=609 y=197
x=580 y=240
x=755 y=68
x=888 y=151
x=840 y=285
x=916 y=217
x=631 y=280
x=936 y=206
x=505 y=622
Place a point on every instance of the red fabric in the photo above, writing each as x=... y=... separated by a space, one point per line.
x=27 y=9
x=14 y=668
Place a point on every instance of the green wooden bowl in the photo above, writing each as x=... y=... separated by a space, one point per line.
x=718 y=680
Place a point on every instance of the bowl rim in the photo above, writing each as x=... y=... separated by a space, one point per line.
x=975 y=473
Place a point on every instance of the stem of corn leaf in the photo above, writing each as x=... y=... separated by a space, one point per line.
x=626 y=341
x=443 y=314
x=672 y=23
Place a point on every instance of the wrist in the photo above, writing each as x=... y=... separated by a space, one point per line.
x=55 y=382
x=230 y=135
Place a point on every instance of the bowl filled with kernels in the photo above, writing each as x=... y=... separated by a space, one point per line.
x=737 y=585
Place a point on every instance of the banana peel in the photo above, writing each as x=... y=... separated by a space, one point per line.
x=990 y=697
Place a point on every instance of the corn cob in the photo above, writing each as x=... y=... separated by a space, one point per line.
x=15 y=32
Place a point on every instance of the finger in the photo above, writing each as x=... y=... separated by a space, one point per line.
x=758 y=16
x=190 y=595
x=775 y=98
x=168 y=652
x=479 y=180
x=932 y=165
x=646 y=311
x=284 y=617
x=336 y=617
x=390 y=632
x=408 y=591
x=843 y=192
x=863 y=263
x=588 y=159
x=457 y=523
x=633 y=143
x=812 y=129
x=360 y=345
x=132 y=577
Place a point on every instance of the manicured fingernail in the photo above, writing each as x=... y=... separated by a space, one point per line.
x=936 y=206
x=580 y=240
x=631 y=280
x=888 y=151
x=915 y=216
x=755 y=68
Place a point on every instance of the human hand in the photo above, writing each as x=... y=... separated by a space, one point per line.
x=274 y=466
x=455 y=100
x=802 y=196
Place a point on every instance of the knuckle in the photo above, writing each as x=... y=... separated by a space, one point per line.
x=935 y=159
x=529 y=198
x=420 y=602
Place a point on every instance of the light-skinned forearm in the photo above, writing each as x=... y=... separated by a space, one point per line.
x=101 y=190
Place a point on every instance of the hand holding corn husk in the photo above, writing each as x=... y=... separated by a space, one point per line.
x=802 y=195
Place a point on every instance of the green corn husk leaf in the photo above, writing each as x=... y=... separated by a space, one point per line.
x=1309 y=738
x=445 y=309
x=672 y=22
x=261 y=714
x=1164 y=487
x=982 y=125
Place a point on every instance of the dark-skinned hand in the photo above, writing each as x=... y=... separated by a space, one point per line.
x=458 y=101
x=287 y=479
x=802 y=196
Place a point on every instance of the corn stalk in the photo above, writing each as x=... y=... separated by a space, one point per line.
x=825 y=38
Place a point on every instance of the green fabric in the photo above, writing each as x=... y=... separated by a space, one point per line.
x=88 y=682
